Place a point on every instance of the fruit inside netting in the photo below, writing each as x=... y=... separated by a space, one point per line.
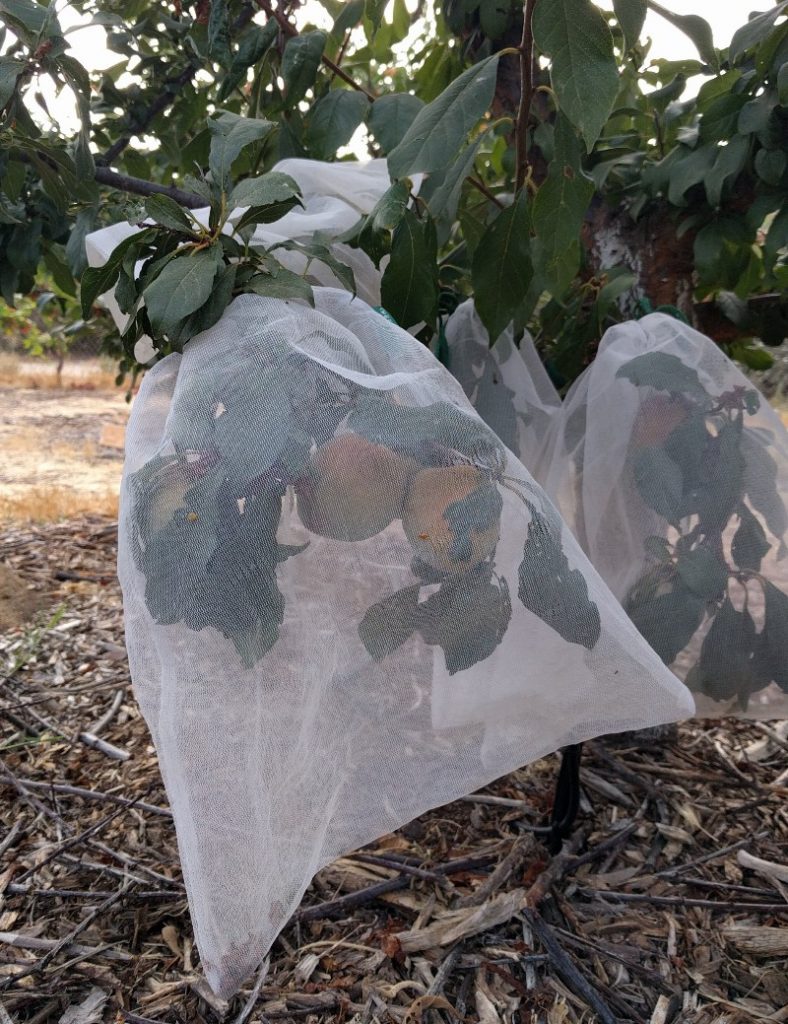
x=346 y=602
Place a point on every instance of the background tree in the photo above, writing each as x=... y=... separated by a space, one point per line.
x=567 y=183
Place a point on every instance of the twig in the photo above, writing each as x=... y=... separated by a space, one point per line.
x=603 y=848
x=358 y=899
x=570 y=974
x=102 y=722
x=526 y=95
x=249 y=1005
x=22 y=941
x=521 y=848
x=481 y=187
x=714 y=855
x=67 y=941
x=405 y=869
x=93 y=794
x=10 y=839
x=681 y=901
x=140 y=187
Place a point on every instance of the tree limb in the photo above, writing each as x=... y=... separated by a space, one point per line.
x=526 y=94
x=140 y=187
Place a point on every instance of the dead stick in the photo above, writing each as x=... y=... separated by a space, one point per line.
x=714 y=855
x=94 y=794
x=570 y=974
x=681 y=901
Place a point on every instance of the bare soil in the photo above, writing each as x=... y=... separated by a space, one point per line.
x=62 y=452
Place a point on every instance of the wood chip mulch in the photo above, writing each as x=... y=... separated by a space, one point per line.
x=668 y=904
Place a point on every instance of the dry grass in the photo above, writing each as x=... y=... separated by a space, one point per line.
x=47 y=504
x=76 y=375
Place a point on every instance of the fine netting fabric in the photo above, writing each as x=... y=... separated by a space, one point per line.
x=671 y=469
x=347 y=601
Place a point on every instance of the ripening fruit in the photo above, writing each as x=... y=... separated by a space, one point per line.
x=167 y=492
x=657 y=418
x=353 y=488
x=430 y=533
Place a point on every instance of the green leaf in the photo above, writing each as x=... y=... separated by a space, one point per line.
x=219 y=33
x=702 y=572
x=551 y=590
x=29 y=19
x=749 y=543
x=211 y=312
x=730 y=162
x=754 y=32
x=725 y=668
x=443 y=201
x=349 y=16
x=300 y=62
x=389 y=623
x=501 y=270
x=409 y=286
x=697 y=29
x=253 y=46
x=10 y=70
x=772 y=650
x=782 y=85
x=688 y=170
x=183 y=285
x=374 y=11
x=165 y=211
x=266 y=214
x=770 y=165
x=467 y=617
x=660 y=482
x=663 y=372
x=391 y=116
x=667 y=621
x=584 y=73
x=559 y=208
x=97 y=280
x=270 y=188
x=230 y=134
x=722 y=118
x=333 y=120
x=285 y=285
x=440 y=129
x=754 y=114
x=630 y=14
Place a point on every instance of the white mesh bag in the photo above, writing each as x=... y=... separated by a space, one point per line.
x=671 y=470
x=346 y=602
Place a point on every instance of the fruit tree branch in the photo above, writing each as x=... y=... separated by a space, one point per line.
x=526 y=94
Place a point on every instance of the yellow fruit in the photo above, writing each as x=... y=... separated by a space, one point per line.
x=430 y=494
x=353 y=488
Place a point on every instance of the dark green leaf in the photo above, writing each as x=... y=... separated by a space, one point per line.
x=770 y=165
x=689 y=169
x=730 y=162
x=755 y=31
x=391 y=116
x=663 y=372
x=252 y=48
x=660 y=482
x=575 y=35
x=10 y=70
x=667 y=621
x=389 y=623
x=749 y=542
x=502 y=270
x=772 y=651
x=409 y=285
x=754 y=114
x=374 y=11
x=286 y=285
x=270 y=188
x=444 y=199
x=219 y=33
x=725 y=668
x=349 y=16
x=266 y=214
x=440 y=129
x=211 y=312
x=333 y=120
x=182 y=286
x=695 y=28
x=97 y=280
x=29 y=19
x=551 y=590
x=630 y=14
x=300 y=62
x=165 y=211
x=467 y=617
x=230 y=134
x=702 y=572
x=559 y=209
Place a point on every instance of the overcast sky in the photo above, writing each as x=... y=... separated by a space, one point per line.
x=724 y=16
